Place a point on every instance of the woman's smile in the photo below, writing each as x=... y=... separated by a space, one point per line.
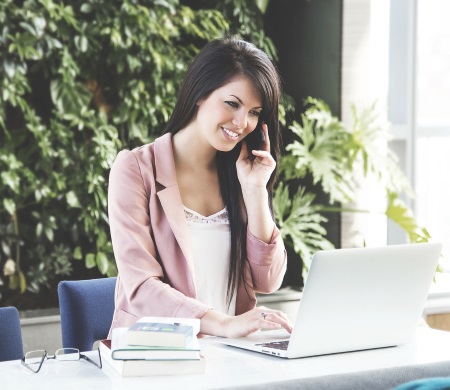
x=230 y=135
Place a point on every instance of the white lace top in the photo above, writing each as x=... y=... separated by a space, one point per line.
x=210 y=238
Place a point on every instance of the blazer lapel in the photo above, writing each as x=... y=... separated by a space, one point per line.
x=170 y=197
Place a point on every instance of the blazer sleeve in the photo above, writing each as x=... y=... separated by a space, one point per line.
x=267 y=262
x=141 y=275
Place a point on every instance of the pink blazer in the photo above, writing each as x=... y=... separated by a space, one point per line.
x=152 y=247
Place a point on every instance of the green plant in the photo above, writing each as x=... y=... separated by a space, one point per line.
x=79 y=81
x=329 y=152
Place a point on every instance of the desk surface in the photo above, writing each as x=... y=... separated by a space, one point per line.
x=227 y=367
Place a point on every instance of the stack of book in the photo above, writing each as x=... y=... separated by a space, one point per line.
x=155 y=346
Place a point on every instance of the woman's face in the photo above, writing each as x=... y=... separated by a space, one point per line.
x=229 y=114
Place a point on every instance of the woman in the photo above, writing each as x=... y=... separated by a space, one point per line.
x=191 y=214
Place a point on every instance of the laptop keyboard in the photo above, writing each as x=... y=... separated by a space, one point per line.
x=282 y=345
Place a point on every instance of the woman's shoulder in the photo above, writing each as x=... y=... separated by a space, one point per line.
x=134 y=166
x=132 y=162
x=145 y=158
x=145 y=153
x=136 y=156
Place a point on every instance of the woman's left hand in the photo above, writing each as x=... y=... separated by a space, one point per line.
x=255 y=173
x=219 y=324
x=256 y=319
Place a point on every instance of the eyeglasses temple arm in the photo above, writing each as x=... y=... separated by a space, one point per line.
x=40 y=364
x=91 y=361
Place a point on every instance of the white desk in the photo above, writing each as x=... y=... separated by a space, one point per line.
x=227 y=367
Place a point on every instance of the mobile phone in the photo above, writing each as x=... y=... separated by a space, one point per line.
x=255 y=140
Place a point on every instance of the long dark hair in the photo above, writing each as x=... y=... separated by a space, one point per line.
x=220 y=61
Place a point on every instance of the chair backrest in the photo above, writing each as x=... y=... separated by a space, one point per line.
x=86 y=308
x=11 y=347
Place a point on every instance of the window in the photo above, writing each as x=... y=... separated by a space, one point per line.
x=419 y=109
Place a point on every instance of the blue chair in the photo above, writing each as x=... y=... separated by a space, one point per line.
x=11 y=347
x=86 y=308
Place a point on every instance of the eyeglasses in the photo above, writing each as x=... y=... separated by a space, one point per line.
x=33 y=360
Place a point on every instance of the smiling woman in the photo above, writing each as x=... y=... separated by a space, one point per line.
x=191 y=214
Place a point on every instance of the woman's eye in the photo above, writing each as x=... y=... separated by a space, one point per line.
x=232 y=104
x=255 y=113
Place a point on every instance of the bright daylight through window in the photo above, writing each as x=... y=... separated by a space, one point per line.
x=432 y=121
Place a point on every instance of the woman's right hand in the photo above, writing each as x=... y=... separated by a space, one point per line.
x=261 y=317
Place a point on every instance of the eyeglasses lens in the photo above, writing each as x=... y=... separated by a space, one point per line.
x=67 y=354
x=34 y=359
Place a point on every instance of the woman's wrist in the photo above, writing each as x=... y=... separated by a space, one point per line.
x=253 y=193
x=259 y=217
x=214 y=323
x=256 y=201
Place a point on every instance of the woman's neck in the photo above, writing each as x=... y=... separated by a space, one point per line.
x=192 y=153
x=196 y=169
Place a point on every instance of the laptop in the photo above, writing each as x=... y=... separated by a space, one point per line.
x=355 y=299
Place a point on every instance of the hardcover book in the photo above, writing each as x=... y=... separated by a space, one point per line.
x=162 y=331
x=130 y=368
x=120 y=350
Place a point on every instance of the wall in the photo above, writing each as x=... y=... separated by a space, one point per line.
x=308 y=38
x=365 y=50
x=41 y=329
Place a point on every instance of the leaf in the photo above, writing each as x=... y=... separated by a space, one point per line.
x=300 y=223
x=10 y=69
x=69 y=98
x=90 y=261
x=5 y=248
x=77 y=253
x=399 y=212
x=370 y=138
x=72 y=199
x=49 y=233
x=11 y=179
x=28 y=28
x=14 y=282
x=262 y=5
x=321 y=150
x=102 y=262
x=101 y=239
x=22 y=282
x=39 y=25
x=281 y=202
x=81 y=43
x=39 y=229
x=86 y=8
x=9 y=205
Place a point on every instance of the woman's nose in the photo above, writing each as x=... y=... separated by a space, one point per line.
x=240 y=120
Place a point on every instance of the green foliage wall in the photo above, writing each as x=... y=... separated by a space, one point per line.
x=80 y=80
